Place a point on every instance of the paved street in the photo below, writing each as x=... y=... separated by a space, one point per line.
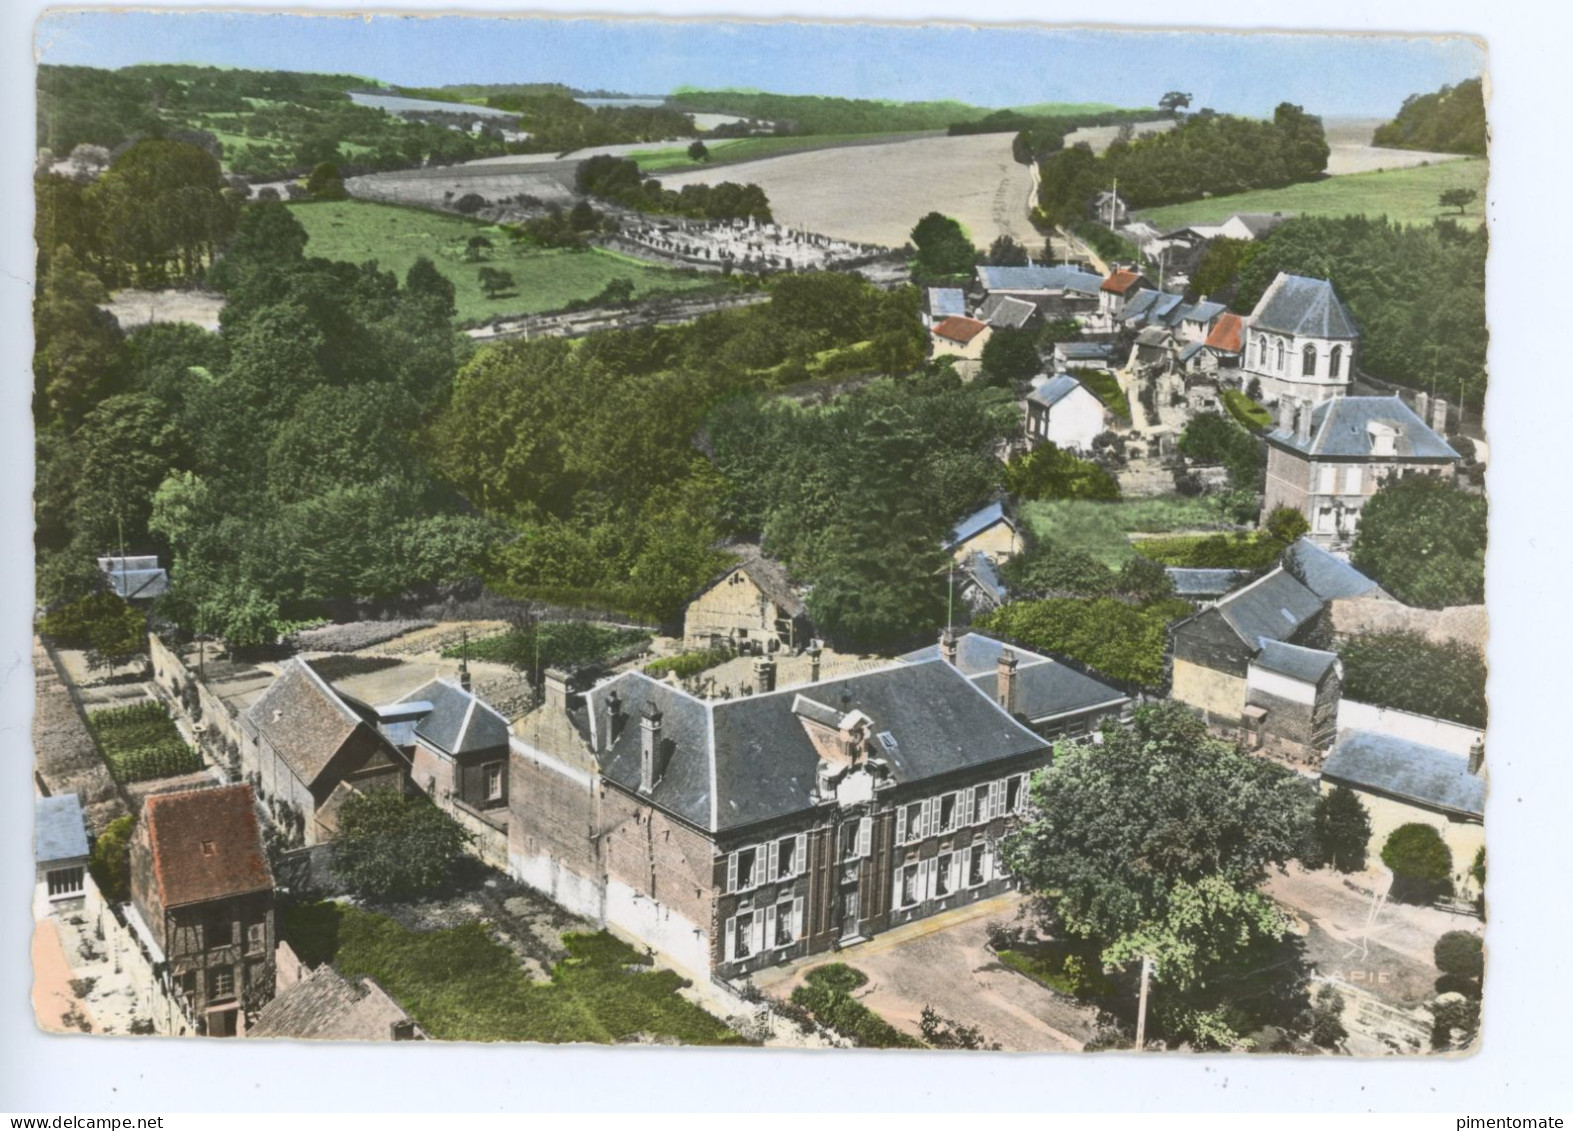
x=944 y=962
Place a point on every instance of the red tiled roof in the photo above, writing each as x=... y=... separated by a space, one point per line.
x=959 y=329
x=1227 y=333
x=1120 y=282
x=206 y=845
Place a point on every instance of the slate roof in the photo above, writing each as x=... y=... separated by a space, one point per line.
x=59 y=832
x=1085 y=351
x=945 y=301
x=1258 y=223
x=1153 y=336
x=1044 y=686
x=732 y=763
x=206 y=845
x=1055 y=389
x=976 y=523
x=1273 y=608
x=1150 y=307
x=1306 y=664
x=134 y=578
x=1294 y=304
x=1191 y=350
x=959 y=329
x=1407 y=770
x=1227 y=334
x=1341 y=426
x=1006 y=310
x=306 y=721
x=1205 y=312
x=1329 y=577
x=1063 y=277
x=325 y=1006
x=459 y=722
x=985 y=576
x=771 y=577
x=1195 y=583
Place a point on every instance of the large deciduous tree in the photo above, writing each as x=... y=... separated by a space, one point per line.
x=392 y=846
x=943 y=248
x=1424 y=540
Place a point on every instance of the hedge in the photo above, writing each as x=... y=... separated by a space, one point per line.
x=1246 y=411
x=1407 y=672
x=827 y=994
x=686 y=665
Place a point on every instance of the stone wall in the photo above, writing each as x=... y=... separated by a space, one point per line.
x=220 y=732
x=1355 y=616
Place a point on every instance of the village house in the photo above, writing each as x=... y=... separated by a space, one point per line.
x=1326 y=460
x=60 y=855
x=1219 y=354
x=323 y=1005
x=979 y=584
x=1006 y=312
x=752 y=604
x=1118 y=289
x=202 y=902
x=1083 y=355
x=457 y=745
x=1108 y=208
x=1241 y=662
x=735 y=834
x=962 y=339
x=1300 y=341
x=134 y=578
x=1402 y=782
x=1204 y=587
x=1059 y=291
x=1062 y=411
x=988 y=531
x=308 y=748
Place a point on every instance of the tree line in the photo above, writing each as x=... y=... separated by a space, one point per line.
x=618 y=179
x=1207 y=154
x=1450 y=120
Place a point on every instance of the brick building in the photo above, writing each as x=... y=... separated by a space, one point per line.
x=736 y=834
x=1326 y=460
x=202 y=902
x=457 y=744
x=308 y=748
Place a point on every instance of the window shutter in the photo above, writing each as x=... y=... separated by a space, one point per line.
x=759 y=931
x=800 y=855
x=996 y=799
x=731 y=875
x=770 y=925
x=928 y=881
x=797 y=918
x=865 y=835
x=760 y=852
x=895 y=889
x=901 y=825
x=773 y=864
x=926 y=819
x=731 y=939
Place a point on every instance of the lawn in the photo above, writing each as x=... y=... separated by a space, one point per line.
x=1106 y=387
x=553 y=644
x=1061 y=967
x=459 y=984
x=141 y=742
x=1408 y=196
x=676 y=158
x=1248 y=412
x=1101 y=528
x=545 y=278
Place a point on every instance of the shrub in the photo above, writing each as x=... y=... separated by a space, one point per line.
x=1211 y=438
x=1246 y=410
x=1460 y=953
x=1421 y=863
x=827 y=995
x=686 y=665
x=1327 y=1023
x=109 y=866
x=942 y=1032
x=390 y=845
x=470 y=203
x=1046 y=472
x=1342 y=829
x=838 y=976
x=1455 y=1019
x=1407 y=672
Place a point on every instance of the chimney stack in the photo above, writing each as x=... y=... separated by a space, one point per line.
x=1477 y=756
x=1302 y=425
x=1286 y=415
x=1006 y=680
x=554 y=685
x=464 y=661
x=1439 y=416
x=813 y=661
x=947 y=647
x=764 y=675
x=1423 y=406
x=649 y=747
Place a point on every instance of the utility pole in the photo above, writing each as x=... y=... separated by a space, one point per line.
x=1141 y=1005
x=1114 y=203
x=950 y=600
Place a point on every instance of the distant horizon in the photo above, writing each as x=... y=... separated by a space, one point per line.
x=1237 y=72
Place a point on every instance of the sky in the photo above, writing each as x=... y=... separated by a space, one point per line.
x=1352 y=75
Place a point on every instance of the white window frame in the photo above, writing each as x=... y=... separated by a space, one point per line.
x=73 y=884
x=736 y=882
x=865 y=836
x=1354 y=480
x=898 y=896
x=1327 y=480
x=756 y=934
x=979 y=850
x=493 y=771
x=793 y=919
x=955 y=812
x=799 y=843
x=945 y=872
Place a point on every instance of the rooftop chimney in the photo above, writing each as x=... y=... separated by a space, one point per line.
x=814 y=650
x=555 y=688
x=615 y=716
x=947 y=647
x=1286 y=415
x=765 y=675
x=1006 y=670
x=1302 y=425
x=1423 y=406
x=464 y=660
x=1477 y=755
x=649 y=747
x=1439 y=416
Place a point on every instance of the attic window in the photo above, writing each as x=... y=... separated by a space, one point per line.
x=207 y=848
x=887 y=740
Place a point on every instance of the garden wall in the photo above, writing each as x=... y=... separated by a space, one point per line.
x=221 y=729
x=1452 y=737
x=1355 y=616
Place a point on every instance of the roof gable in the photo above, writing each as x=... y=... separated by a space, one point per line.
x=1227 y=333
x=1272 y=608
x=1294 y=304
x=459 y=722
x=1329 y=577
x=1308 y=665
x=977 y=522
x=323 y=1005
x=304 y=719
x=958 y=328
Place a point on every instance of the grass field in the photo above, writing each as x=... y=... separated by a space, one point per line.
x=1101 y=528
x=1245 y=410
x=545 y=278
x=1408 y=196
x=460 y=984
x=1106 y=387
x=754 y=148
